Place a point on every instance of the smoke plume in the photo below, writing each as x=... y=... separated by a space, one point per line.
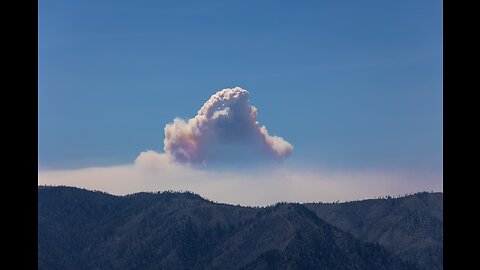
x=224 y=129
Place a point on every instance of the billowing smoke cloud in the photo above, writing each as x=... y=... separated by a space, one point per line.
x=225 y=128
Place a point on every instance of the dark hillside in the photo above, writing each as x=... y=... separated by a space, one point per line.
x=410 y=226
x=81 y=229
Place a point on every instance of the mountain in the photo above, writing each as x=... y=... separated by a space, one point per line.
x=410 y=226
x=81 y=229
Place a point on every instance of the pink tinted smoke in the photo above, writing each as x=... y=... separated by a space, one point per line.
x=226 y=118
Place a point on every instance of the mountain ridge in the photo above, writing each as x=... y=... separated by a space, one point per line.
x=415 y=224
x=186 y=231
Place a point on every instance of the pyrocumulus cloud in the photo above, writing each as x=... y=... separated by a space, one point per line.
x=225 y=128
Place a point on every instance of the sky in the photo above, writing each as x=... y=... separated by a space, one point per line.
x=354 y=86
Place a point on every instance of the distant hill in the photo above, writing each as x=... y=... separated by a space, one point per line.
x=81 y=229
x=410 y=226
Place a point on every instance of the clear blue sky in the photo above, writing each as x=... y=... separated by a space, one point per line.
x=351 y=84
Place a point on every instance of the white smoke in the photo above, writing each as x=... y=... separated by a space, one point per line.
x=154 y=172
x=225 y=128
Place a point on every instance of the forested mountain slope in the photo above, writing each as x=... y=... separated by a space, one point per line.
x=81 y=229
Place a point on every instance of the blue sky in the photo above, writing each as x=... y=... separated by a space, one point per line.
x=351 y=84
